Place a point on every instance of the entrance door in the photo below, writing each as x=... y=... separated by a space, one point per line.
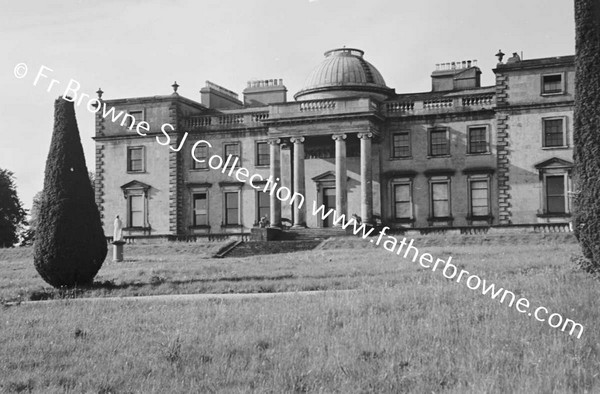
x=329 y=203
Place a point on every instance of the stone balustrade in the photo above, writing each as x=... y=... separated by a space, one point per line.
x=317 y=105
x=400 y=106
x=452 y=103
x=438 y=103
x=487 y=99
x=250 y=118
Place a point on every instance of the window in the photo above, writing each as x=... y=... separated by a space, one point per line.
x=401 y=144
x=552 y=84
x=136 y=205
x=555 y=180
x=233 y=150
x=135 y=159
x=201 y=154
x=440 y=199
x=479 y=197
x=263 y=205
x=135 y=211
x=555 y=194
x=438 y=142
x=134 y=117
x=232 y=208
x=554 y=134
x=478 y=139
x=402 y=201
x=200 y=201
x=263 y=155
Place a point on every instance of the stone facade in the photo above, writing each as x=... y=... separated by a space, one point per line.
x=460 y=155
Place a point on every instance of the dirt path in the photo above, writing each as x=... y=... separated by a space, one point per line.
x=194 y=297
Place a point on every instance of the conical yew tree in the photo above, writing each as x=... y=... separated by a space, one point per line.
x=587 y=130
x=70 y=245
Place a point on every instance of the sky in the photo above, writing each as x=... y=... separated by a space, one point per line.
x=133 y=48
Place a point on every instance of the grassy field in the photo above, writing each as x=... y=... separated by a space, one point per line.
x=405 y=329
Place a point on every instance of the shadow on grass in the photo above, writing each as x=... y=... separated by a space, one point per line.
x=80 y=291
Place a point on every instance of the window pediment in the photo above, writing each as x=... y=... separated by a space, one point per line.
x=555 y=162
x=135 y=186
x=325 y=177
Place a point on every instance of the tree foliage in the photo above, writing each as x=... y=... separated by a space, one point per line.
x=587 y=130
x=12 y=214
x=70 y=245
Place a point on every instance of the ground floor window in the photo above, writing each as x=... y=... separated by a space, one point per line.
x=263 y=205
x=135 y=211
x=200 y=208
x=402 y=201
x=555 y=187
x=479 y=193
x=232 y=208
x=440 y=199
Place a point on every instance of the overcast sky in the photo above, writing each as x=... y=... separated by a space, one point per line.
x=138 y=48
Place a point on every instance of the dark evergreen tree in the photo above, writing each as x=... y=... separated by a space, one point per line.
x=587 y=130
x=12 y=214
x=70 y=245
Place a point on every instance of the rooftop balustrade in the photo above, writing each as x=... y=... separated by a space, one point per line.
x=343 y=106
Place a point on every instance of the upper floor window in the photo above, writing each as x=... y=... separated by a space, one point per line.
x=232 y=149
x=263 y=155
x=439 y=143
x=478 y=139
x=552 y=84
x=135 y=159
x=554 y=132
x=201 y=153
x=134 y=117
x=401 y=144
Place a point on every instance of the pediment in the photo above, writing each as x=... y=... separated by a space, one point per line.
x=554 y=162
x=135 y=185
x=325 y=177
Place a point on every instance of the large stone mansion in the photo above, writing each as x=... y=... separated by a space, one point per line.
x=459 y=155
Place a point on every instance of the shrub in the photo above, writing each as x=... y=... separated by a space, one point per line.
x=70 y=245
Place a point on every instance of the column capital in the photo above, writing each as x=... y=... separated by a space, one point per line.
x=274 y=141
x=338 y=137
x=365 y=136
x=297 y=140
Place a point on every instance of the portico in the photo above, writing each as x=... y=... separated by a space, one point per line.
x=339 y=140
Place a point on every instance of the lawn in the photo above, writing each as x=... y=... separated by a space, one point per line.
x=404 y=329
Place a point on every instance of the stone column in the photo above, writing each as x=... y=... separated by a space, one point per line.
x=299 y=183
x=366 y=178
x=275 y=168
x=341 y=189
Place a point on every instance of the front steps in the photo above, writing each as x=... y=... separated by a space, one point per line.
x=291 y=240
x=299 y=234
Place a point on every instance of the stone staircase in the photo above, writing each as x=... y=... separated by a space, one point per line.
x=292 y=240
x=311 y=234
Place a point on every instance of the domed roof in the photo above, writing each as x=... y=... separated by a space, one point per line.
x=344 y=70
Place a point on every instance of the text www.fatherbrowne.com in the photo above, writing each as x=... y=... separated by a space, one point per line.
x=242 y=174
x=449 y=270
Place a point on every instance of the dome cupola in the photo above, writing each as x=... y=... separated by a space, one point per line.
x=344 y=73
